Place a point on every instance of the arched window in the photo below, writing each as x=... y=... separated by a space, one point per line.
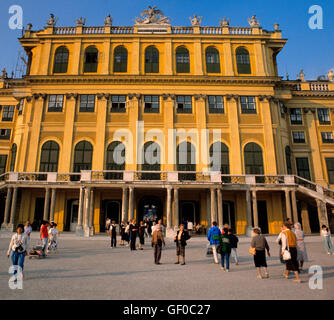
x=91 y=58
x=220 y=158
x=151 y=60
x=151 y=160
x=243 y=61
x=212 y=60
x=83 y=154
x=288 y=159
x=253 y=159
x=61 y=60
x=13 y=158
x=49 y=157
x=120 y=59
x=182 y=60
x=115 y=160
x=186 y=160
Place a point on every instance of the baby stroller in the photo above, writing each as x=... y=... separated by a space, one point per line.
x=37 y=252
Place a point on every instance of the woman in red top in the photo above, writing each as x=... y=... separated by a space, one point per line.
x=44 y=234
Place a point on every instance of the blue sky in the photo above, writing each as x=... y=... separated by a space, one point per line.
x=311 y=50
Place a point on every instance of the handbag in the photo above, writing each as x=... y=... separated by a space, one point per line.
x=252 y=251
x=209 y=251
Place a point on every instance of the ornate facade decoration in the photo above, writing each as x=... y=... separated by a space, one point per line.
x=152 y=16
x=80 y=22
x=108 y=21
x=52 y=21
x=253 y=22
x=225 y=22
x=196 y=20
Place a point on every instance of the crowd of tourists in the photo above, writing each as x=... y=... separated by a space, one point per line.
x=223 y=242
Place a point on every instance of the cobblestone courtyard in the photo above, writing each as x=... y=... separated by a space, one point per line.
x=90 y=269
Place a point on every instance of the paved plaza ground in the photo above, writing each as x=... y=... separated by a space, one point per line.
x=90 y=269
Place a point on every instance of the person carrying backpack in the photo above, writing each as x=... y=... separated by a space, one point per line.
x=213 y=236
x=225 y=250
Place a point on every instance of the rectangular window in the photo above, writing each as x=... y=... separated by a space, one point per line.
x=21 y=106
x=5 y=134
x=216 y=104
x=151 y=104
x=87 y=103
x=303 y=168
x=330 y=169
x=248 y=104
x=118 y=104
x=3 y=162
x=323 y=116
x=8 y=113
x=184 y=104
x=327 y=137
x=298 y=136
x=296 y=116
x=55 y=103
x=282 y=110
x=243 y=59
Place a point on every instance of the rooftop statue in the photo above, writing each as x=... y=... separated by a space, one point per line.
x=108 y=21
x=152 y=16
x=29 y=26
x=302 y=75
x=51 y=22
x=330 y=75
x=80 y=22
x=253 y=22
x=196 y=20
x=225 y=22
x=4 y=74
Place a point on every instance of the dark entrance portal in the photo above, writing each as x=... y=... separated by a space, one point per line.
x=150 y=208
x=263 y=216
x=189 y=211
x=39 y=212
x=110 y=209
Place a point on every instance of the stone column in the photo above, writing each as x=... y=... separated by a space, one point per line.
x=124 y=201
x=131 y=203
x=53 y=204
x=213 y=205
x=168 y=209
x=305 y=218
x=255 y=213
x=294 y=206
x=322 y=213
x=87 y=210
x=7 y=208
x=220 y=207
x=11 y=226
x=46 y=204
x=208 y=209
x=79 y=227
x=91 y=213
x=288 y=204
x=249 y=214
x=176 y=208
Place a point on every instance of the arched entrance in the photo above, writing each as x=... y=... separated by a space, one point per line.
x=110 y=209
x=150 y=208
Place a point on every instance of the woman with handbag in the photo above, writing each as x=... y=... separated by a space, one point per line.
x=181 y=241
x=258 y=248
x=289 y=252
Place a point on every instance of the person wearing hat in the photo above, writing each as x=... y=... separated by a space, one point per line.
x=17 y=250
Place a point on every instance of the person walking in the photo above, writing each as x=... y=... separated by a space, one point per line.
x=127 y=233
x=108 y=223
x=181 y=241
x=234 y=245
x=327 y=239
x=133 y=235
x=53 y=237
x=141 y=235
x=113 y=234
x=260 y=244
x=213 y=236
x=225 y=250
x=301 y=247
x=44 y=235
x=289 y=243
x=157 y=242
x=122 y=233
x=17 y=250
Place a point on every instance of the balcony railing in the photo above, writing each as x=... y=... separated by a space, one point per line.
x=122 y=30
x=318 y=86
x=93 y=30
x=64 y=30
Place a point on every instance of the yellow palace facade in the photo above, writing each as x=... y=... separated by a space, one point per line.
x=128 y=123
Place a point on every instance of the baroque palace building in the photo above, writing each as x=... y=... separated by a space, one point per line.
x=168 y=100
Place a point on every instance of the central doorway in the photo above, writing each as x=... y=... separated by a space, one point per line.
x=110 y=209
x=189 y=211
x=150 y=208
x=228 y=214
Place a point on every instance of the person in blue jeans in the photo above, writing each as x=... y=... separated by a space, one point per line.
x=213 y=236
x=225 y=250
x=17 y=249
